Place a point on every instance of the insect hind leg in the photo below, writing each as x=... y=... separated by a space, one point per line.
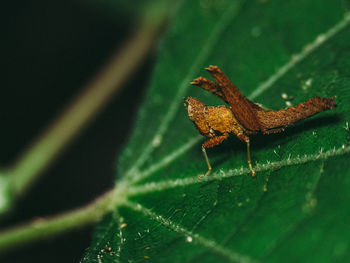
x=209 y=144
x=208 y=85
x=246 y=139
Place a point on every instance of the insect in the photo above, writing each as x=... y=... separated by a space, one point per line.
x=243 y=117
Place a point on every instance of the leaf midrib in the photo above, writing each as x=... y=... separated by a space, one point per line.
x=219 y=175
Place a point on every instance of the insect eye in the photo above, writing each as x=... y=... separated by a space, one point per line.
x=185 y=102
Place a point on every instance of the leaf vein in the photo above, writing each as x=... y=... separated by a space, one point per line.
x=121 y=240
x=296 y=58
x=294 y=228
x=209 y=244
x=166 y=160
x=167 y=184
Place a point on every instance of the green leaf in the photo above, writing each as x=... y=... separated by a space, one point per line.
x=296 y=209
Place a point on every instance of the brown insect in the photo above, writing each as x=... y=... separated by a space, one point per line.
x=243 y=117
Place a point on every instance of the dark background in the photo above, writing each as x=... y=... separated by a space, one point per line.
x=49 y=51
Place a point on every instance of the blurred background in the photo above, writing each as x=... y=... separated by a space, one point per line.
x=49 y=51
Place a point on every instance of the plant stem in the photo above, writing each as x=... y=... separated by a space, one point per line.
x=39 y=229
x=85 y=106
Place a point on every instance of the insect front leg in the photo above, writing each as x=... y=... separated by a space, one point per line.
x=246 y=139
x=208 y=144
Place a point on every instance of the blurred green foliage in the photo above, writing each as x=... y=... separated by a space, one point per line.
x=49 y=51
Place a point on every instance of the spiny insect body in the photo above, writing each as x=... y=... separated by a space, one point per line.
x=243 y=117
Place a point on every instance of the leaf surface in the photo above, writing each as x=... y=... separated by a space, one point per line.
x=296 y=209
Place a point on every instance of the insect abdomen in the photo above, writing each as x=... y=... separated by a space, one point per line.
x=285 y=117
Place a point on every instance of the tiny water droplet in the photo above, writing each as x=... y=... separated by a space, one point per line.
x=189 y=239
x=305 y=85
x=288 y=103
x=157 y=141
